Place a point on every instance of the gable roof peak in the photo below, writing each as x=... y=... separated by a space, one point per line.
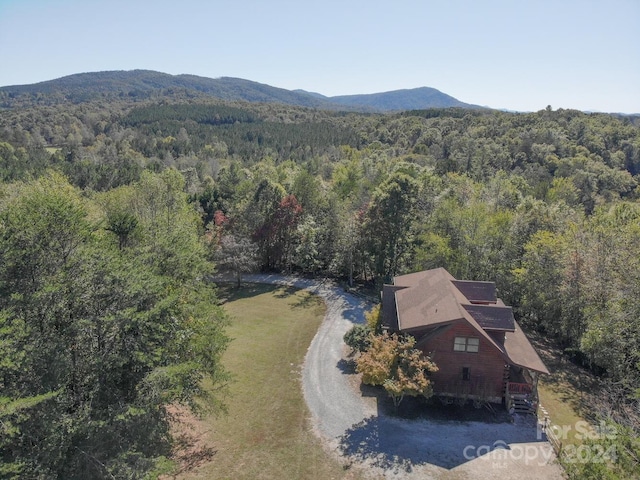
x=423 y=300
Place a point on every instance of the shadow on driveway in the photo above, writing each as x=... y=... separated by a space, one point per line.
x=392 y=443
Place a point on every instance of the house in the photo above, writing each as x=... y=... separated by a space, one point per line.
x=480 y=350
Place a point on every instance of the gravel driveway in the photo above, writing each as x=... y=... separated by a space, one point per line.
x=351 y=425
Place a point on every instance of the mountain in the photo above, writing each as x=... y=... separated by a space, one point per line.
x=146 y=83
x=411 y=99
x=313 y=94
x=141 y=84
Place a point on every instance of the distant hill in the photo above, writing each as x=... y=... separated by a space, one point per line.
x=141 y=84
x=412 y=99
x=146 y=83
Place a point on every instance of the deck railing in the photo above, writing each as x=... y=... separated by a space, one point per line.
x=519 y=388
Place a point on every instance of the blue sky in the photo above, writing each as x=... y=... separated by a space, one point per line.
x=514 y=54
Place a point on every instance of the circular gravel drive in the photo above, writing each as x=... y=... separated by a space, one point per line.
x=394 y=448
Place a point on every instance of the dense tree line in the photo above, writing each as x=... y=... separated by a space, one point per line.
x=545 y=204
x=104 y=322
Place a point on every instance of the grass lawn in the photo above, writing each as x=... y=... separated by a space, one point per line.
x=565 y=393
x=266 y=433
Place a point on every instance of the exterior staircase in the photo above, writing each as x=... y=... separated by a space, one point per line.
x=518 y=397
x=523 y=406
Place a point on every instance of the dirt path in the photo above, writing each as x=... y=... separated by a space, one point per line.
x=404 y=449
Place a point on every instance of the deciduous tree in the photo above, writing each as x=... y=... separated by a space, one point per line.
x=236 y=254
x=388 y=223
x=393 y=362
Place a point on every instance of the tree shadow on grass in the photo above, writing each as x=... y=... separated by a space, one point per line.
x=571 y=383
x=284 y=291
x=307 y=301
x=229 y=293
x=191 y=446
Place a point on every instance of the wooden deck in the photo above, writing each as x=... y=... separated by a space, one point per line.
x=519 y=388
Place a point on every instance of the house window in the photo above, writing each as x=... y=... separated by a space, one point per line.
x=466 y=344
x=466 y=374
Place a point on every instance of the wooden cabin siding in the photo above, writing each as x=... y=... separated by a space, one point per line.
x=486 y=367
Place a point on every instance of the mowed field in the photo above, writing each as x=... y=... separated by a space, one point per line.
x=265 y=433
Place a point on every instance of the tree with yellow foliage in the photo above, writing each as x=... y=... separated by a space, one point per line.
x=393 y=362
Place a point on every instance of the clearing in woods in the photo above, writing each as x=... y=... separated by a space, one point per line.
x=266 y=432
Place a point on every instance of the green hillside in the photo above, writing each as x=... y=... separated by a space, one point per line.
x=145 y=84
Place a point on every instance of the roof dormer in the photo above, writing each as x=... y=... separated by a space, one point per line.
x=480 y=293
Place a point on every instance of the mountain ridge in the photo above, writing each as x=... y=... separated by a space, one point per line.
x=142 y=84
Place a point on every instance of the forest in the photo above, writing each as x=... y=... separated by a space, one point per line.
x=112 y=213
